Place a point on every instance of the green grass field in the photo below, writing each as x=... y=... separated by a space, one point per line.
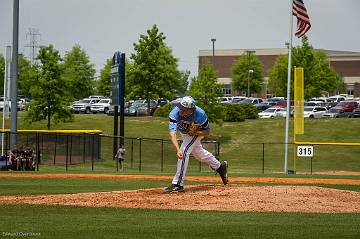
x=82 y=222
x=244 y=159
x=249 y=146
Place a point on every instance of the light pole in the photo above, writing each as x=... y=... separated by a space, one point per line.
x=213 y=50
x=249 y=72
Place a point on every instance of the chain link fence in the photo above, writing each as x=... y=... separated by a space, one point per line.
x=95 y=152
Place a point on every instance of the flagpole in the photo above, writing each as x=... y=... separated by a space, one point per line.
x=288 y=90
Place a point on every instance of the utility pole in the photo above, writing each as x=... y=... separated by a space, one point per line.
x=14 y=74
x=33 y=43
x=249 y=71
x=6 y=94
x=213 y=51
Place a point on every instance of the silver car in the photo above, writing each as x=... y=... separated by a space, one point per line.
x=337 y=113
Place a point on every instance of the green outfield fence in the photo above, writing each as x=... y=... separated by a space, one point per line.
x=77 y=150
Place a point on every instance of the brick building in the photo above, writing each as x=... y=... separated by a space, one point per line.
x=346 y=64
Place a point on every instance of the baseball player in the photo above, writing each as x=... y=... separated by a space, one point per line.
x=193 y=125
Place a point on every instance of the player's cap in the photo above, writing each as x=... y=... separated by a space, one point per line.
x=186 y=102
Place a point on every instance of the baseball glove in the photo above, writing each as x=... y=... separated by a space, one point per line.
x=193 y=129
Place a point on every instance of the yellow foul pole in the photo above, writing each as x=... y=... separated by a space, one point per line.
x=298 y=105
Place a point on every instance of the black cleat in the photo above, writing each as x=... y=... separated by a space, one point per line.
x=222 y=170
x=174 y=188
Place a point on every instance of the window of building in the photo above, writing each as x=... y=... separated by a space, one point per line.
x=350 y=89
x=226 y=90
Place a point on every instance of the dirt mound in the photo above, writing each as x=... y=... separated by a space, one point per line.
x=212 y=197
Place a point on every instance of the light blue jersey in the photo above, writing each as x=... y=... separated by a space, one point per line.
x=177 y=122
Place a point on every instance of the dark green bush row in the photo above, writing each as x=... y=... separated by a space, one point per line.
x=230 y=112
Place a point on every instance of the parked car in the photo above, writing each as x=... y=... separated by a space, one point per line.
x=111 y=108
x=102 y=106
x=20 y=104
x=225 y=100
x=237 y=99
x=97 y=97
x=282 y=112
x=84 y=105
x=336 y=98
x=269 y=102
x=268 y=113
x=261 y=107
x=356 y=113
x=142 y=110
x=282 y=104
x=139 y=108
x=162 y=102
x=312 y=103
x=327 y=105
x=252 y=101
x=276 y=98
x=337 y=112
x=348 y=106
x=357 y=100
x=314 y=112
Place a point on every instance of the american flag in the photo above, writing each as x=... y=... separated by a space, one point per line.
x=303 y=20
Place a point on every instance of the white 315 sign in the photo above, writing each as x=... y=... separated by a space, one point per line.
x=305 y=151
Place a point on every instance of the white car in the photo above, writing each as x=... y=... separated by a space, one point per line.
x=336 y=98
x=225 y=100
x=20 y=105
x=269 y=113
x=84 y=105
x=314 y=112
x=102 y=106
x=281 y=113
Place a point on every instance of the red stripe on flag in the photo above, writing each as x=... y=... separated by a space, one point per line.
x=303 y=20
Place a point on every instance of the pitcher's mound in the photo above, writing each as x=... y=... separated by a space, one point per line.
x=211 y=197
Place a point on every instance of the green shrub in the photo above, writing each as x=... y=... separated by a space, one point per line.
x=250 y=111
x=233 y=113
x=163 y=111
x=238 y=113
x=214 y=111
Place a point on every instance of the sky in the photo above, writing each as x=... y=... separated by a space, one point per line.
x=102 y=27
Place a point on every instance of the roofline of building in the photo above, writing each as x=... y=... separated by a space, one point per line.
x=271 y=51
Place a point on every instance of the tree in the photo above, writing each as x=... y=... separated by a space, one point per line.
x=248 y=69
x=27 y=75
x=183 y=82
x=319 y=77
x=206 y=89
x=103 y=85
x=278 y=77
x=49 y=98
x=129 y=67
x=78 y=73
x=155 y=74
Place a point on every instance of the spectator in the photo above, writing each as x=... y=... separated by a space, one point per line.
x=120 y=155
